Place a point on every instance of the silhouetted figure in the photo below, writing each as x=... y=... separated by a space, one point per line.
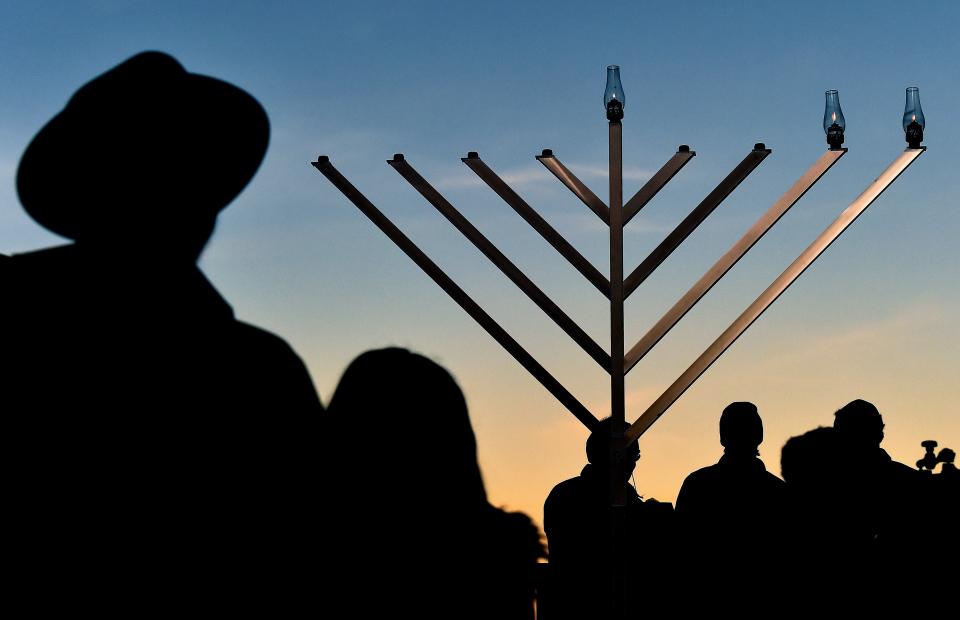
x=942 y=499
x=824 y=531
x=844 y=548
x=829 y=560
x=159 y=444
x=886 y=495
x=736 y=507
x=578 y=519
x=410 y=533
x=948 y=500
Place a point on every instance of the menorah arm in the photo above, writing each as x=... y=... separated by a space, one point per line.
x=767 y=297
x=460 y=296
x=734 y=254
x=653 y=186
x=501 y=261
x=694 y=219
x=548 y=232
x=574 y=184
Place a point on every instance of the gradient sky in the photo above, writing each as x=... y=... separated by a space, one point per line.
x=875 y=317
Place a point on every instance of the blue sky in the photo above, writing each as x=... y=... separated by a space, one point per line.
x=875 y=317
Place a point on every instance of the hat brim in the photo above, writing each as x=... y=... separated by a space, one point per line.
x=119 y=152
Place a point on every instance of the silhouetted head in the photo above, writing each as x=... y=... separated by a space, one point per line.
x=144 y=157
x=741 y=429
x=598 y=447
x=398 y=414
x=859 y=423
x=811 y=461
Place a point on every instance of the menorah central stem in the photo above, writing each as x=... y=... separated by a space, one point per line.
x=616 y=310
x=618 y=478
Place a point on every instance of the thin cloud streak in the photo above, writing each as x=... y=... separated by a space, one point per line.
x=601 y=172
x=834 y=344
x=522 y=177
x=536 y=175
x=590 y=223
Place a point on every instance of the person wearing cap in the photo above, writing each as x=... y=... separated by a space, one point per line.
x=158 y=443
x=577 y=519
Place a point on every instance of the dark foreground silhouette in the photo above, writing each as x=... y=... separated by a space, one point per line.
x=411 y=533
x=579 y=522
x=735 y=508
x=850 y=530
x=891 y=526
x=159 y=445
x=854 y=511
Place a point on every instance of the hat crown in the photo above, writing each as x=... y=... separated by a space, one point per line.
x=144 y=142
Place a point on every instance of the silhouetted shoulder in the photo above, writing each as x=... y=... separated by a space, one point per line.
x=773 y=480
x=516 y=533
x=566 y=490
x=655 y=509
x=503 y=548
x=44 y=263
x=268 y=342
x=696 y=484
x=704 y=474
x=902 y=471
x=277 y=363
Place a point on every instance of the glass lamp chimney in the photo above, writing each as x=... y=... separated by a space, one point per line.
x=913 y=120
x=833 y=122
x=613 y=98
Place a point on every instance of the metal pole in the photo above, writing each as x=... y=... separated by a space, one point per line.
x=767 y=297
x=650 y=189
x=618 y=481
x=575 y=185
x=617 y=409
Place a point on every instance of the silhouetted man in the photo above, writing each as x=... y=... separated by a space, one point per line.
x=159 y=445
x=886 y=495
x=735 y=507
x=736 y=504
x=578 y=520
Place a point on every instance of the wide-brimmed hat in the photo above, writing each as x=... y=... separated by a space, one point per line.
x=143 y=142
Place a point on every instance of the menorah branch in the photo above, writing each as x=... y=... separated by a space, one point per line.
x=455 y=292
x=783 y=281
x=574 y=184
x=695 y=218
x=653 y=186
x=548 y=232
x=734 y=254
x=500 y=260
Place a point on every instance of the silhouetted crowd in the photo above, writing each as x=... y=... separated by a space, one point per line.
x=845 y=522
x=164 y=457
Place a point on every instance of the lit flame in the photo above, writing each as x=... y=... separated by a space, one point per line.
x=914 y=118
x=834 y=117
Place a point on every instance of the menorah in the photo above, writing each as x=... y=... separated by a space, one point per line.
x=617 y=288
